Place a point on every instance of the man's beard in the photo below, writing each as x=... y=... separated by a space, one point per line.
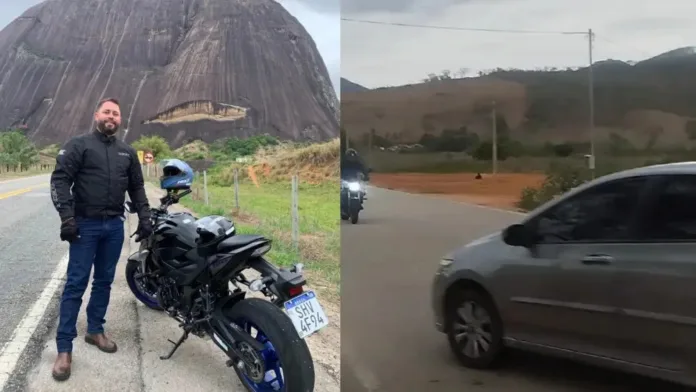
x=101 y=126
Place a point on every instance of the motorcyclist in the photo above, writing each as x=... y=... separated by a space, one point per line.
x=353 y=167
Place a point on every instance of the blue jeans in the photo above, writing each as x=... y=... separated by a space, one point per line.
x=100 y=244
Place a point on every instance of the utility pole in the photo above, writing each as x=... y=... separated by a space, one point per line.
x=369 y=148
x=494 y=143
x=591 y=162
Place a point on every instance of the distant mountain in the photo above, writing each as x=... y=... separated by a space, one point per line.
x=650 y=103
x=349 y=87
x=676 y=55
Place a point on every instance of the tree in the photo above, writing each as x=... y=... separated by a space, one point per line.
x=16 y=149
x=155 y=144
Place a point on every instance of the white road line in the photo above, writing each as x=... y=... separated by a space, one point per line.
x=12 y=351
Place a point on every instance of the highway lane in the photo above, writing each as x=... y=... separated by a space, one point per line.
x=388 y=339
x=29 y=247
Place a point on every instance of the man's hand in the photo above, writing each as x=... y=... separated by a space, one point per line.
x=69 y=230
x=144 y=230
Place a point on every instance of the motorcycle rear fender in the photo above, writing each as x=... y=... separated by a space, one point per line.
x=227 y=330
x=282 y=278
x=140 y=257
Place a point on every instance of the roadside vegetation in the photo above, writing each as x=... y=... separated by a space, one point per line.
x=563 y=164
x=264 y=167
x=20 y=157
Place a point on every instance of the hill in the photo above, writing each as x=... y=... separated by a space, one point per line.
x=648 y=104
x=350 y=87
x=191 y=69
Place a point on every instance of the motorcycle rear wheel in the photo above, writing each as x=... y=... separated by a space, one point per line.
x=285 y=352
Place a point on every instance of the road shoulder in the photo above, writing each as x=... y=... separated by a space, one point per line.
x=93 y=370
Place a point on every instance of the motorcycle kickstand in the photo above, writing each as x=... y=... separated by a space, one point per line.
x=176 y=345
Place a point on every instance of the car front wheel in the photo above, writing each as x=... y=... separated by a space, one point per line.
x=474 y=329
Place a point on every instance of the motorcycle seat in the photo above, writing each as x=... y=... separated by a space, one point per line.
x=238 y=241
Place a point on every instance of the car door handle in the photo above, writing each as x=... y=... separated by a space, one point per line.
x=597 y=259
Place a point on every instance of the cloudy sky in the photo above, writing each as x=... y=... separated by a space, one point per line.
x=321 y=18
x=377 y=55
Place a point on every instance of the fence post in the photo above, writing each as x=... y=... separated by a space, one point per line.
x=205 y=187
x=236 y=188
x=295 y=214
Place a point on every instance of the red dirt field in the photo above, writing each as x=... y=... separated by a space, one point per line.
x=501 y=190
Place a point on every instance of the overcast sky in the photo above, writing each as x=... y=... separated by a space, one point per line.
x=321 y=18
x=377 y=55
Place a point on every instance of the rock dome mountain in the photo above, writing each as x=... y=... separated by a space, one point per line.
x=182 y=69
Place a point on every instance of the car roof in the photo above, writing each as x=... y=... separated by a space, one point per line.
x=668 y=168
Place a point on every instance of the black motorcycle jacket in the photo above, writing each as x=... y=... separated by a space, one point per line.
x=351 y=167
x=100 y=169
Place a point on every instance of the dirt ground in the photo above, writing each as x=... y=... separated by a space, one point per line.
x=501 y=190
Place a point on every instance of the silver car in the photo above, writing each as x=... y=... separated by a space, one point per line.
x=605 y=274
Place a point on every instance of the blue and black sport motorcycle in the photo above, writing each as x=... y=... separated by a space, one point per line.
x=193 y=270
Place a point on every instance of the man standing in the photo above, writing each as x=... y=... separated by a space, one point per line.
x=100 y=169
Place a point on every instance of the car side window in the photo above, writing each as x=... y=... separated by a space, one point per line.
x=601 y=213
x=672 y=216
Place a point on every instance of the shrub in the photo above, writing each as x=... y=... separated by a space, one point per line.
x=559 y=180
x=155 y=144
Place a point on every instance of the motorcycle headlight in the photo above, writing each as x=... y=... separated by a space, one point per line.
x=354 y=186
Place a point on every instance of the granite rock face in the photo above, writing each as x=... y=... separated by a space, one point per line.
x=182 y=69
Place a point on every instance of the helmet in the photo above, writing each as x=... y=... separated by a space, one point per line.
x=213 y=228
x=351 y=153
x=176 y=174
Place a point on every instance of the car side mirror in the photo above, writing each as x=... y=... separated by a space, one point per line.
x=519 y=235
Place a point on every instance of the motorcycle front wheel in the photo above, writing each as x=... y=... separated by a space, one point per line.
x=286 y=363
x=142 y=292
x=354 y=213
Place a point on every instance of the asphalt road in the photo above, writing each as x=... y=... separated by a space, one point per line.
x=29 y=247
x=388 y=338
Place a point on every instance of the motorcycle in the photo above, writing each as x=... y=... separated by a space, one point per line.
x=352 y=197
x=193 y=270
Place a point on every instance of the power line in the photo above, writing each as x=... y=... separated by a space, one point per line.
x=433 y=27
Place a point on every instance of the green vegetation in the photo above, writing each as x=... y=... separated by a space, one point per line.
x=17 y=150
x=154 y=144
x=19 y=156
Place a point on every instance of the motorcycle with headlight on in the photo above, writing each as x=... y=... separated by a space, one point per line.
x=352 y=197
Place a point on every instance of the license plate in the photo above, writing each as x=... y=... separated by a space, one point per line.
x=306 y=314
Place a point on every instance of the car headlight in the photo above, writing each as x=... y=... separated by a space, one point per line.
x=353 y=186
x=446 y=262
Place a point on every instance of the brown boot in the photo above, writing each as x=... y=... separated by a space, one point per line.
x=102 y=342
x=61 y=368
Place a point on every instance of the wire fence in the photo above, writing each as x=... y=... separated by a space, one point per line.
x=247 y=201
x=19 y=169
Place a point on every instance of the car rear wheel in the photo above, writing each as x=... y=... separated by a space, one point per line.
x=474 y=329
